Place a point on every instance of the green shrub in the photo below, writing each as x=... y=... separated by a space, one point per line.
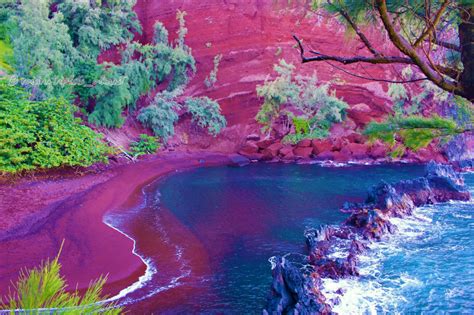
x=210 y=80
x=206 y=113
x=146 y=145
x=161 y=115
x=415 y=132
x=45 y=288
x=43 y=134
x=319 y=106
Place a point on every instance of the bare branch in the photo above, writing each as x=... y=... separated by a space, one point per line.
x=346 y=60
x=375 y=79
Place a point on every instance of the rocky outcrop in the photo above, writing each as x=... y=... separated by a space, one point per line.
x=295 y=288
x=333 y=250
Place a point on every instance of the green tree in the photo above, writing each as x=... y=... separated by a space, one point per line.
x=43 y=134
x=434 y=37
x=43 y=49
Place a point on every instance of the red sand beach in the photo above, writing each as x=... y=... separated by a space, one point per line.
x=45 y=212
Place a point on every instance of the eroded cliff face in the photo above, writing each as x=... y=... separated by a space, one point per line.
x=252 y=35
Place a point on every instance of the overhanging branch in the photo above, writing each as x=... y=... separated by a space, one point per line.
x=349 y=60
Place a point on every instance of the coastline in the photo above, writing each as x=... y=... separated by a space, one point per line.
x=92 y=248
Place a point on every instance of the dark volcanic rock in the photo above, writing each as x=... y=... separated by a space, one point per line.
x=445 y=183
x=294 y=290
x=296 y=287
x=386 y=198
x=418 y=190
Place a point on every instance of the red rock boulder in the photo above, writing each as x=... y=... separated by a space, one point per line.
x=355 y=151
x=304 y=143
x=303 y=152
x=321 y=145
x=249 y=147
x=272 y=150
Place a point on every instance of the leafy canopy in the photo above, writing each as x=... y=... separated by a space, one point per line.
x=43 y=134
x=310 y=106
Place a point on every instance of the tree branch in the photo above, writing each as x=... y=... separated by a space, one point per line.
x=431 y=26
x=356 y=29
x=446 y=44
x=349 y=60
x=404 y=46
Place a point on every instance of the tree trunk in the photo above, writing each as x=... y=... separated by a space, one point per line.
x=466 y=40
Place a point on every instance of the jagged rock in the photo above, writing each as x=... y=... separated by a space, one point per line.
x=325 y=155
x=263 y=144
x=443 y=170
x=371 y=223
x=289 y=156
x=294 y=290
x=285 y=150
x=378 y=150
x=384 y=197
x=355 y=151
x=249 y=147
x=272 y=150
x=417 y=189
x=356 y=138
x=445 y=183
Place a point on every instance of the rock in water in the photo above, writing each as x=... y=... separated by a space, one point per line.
x=294 y=290
x=296 y=287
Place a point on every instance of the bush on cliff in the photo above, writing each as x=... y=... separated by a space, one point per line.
x=57 y=48
x=206 y=113
x=43 y=134
x=302 y=100
x=45 y=288
x=162 y=114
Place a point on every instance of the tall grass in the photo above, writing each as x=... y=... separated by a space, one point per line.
x=42 y=290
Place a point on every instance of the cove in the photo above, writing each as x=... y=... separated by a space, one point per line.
x=207 y=234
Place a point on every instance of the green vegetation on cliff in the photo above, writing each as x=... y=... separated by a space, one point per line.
x=307 y=107
x=43 y=134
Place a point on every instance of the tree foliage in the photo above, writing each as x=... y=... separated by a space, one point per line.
x=57 y=51
x=43 y=289
x=43 y=134
x=206 y=113
x=145 y=145
x=161 y=115
x=414 y=132
x=316 y=106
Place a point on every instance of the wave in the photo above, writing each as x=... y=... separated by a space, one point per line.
x=385 y=288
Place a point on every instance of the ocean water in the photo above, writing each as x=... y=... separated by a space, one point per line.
x=427 y=267
x=206 y=235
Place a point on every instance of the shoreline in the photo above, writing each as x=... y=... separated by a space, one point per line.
x=92 y=248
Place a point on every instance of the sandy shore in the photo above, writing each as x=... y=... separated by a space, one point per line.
x=38 y=214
